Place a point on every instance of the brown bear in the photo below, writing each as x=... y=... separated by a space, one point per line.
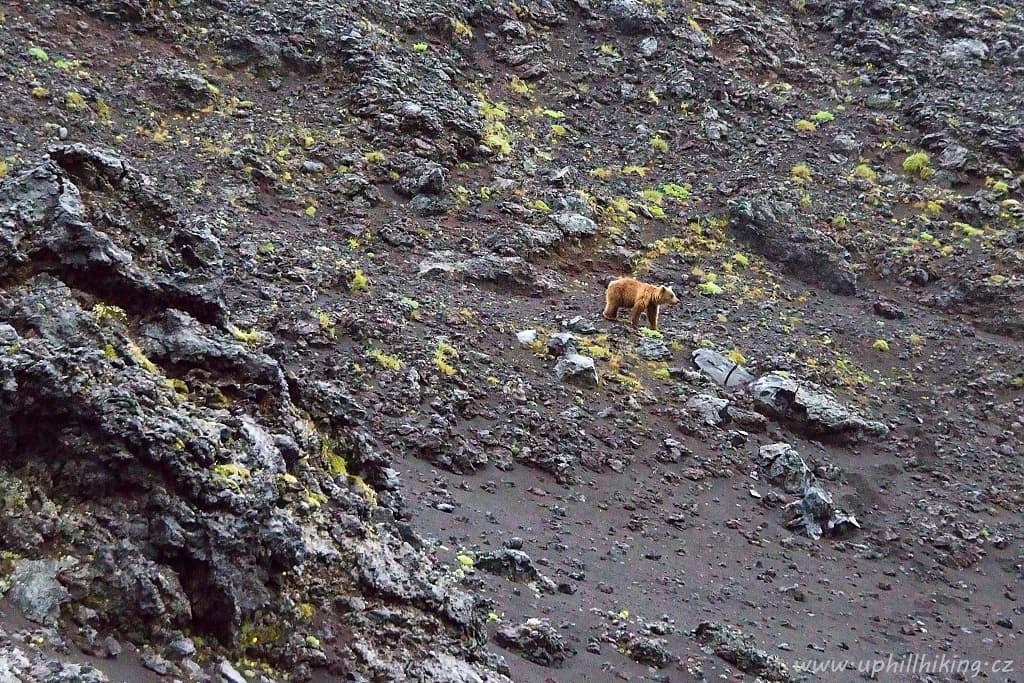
x=627 y=292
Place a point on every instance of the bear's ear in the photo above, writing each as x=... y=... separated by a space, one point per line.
x=661 y=289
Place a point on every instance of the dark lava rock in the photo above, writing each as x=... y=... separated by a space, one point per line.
x=427 y=179
x=817 y=515
x=649 y=651
x=178 y=339
x=580 y=325
x=712 y=410
x=147 y=435
x=631 y=16
x=773 y=230
x=139 y=254
x=737 y=648
x=514 y=565
x=535 y=640
x=184 y=88
x=889 y=310
x=574 y=225
x=654 y=348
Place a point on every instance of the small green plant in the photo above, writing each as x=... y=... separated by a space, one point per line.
x=442 y=354
x=74 y=100
x=801 y=173
x=880 y=345
x=519 y=86
x=866 y=172
x=462 y=30
x=250 y=336
x=675 y=191
x=553 y=114
x=655 y=211
x=102 y=311
x=39 y=54
x=659 y=144
x=420 y=47
x=497 y=139
x=660 y=371
x=998 y=187
x=359 y=283
x=805 y=126
x=652 y=196
x=140 y=358
x=741 y=259
x=823 y=117
x=918 y=164
x=385 y=360
x=652 y=334
x=233 y=475
x=540 y=205
x=374 y=157
x=968 y=229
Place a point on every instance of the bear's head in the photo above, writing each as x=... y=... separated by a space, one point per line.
x=666 y=296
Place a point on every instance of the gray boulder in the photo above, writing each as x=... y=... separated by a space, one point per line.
x=574 y=225
x=785 y=467
x=35 y=590
x=810 y=410
x=577 y=369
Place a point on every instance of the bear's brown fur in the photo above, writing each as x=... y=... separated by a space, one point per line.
x=627 y=292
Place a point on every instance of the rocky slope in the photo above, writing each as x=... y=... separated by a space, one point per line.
x=304 y=376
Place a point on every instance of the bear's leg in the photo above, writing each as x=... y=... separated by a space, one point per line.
x=637 y=310
x=652 y=316
x=611 y=309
